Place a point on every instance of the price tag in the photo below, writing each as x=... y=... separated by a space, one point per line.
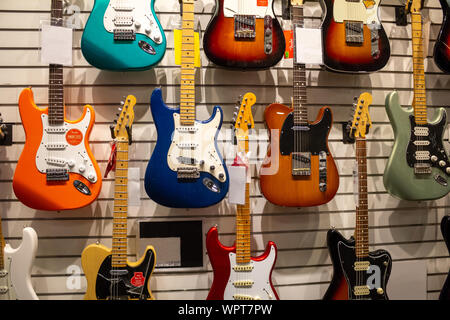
x=238 y=180
x=134 y=187
x=56 y=45
x=309 y=45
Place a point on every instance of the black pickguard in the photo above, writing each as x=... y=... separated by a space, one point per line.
x=313 y=140
x=445 y=229
x=435 y=147
x=380 y=258
x=122 y=288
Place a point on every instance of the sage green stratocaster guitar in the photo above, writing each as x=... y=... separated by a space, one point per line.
x=418 y=167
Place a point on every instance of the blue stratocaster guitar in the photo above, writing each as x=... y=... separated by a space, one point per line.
x=123 y=35
x=186 y=169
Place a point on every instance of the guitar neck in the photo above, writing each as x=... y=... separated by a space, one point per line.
x=299 y=74
x=362 y=217
x=420 y=100
x=243 y=222
x=120 y=212
x=187 y=89
x=56 y=86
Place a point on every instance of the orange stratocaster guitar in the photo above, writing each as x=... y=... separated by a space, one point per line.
x=299 y=170
x=56 y=170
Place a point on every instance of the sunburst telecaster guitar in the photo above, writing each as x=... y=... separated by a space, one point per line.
x=237 y=275
x=108 y=273
x=418 y=167
x=357 y=273
x=299 y=170
x=56 y=169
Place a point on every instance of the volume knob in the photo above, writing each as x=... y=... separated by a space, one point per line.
x=81 y=168
x=442 y=163
x=447 y=170
x=434 y=158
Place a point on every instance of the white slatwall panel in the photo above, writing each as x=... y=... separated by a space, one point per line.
x=408 y=230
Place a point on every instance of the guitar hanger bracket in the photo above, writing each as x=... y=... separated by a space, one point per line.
x=130 y=136
x=401 y=16
x=6 y=138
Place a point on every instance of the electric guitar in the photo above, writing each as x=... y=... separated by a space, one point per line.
x=418 y=167
x=442 y=47
x=445 y=228
x=56 y=170
x=237 y=275
x=357 y=273
x=108 y=273
x=353 y=37
x=123 y=35
x=244 y=34
x=299 y=170
x=186 y=169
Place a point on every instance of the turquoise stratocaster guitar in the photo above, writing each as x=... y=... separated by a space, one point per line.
x=418 y=167
x=123 y=35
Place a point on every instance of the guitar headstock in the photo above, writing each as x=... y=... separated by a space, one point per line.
x=414 y=6
x=361 y=119
x=243 y=120
x=122 y=130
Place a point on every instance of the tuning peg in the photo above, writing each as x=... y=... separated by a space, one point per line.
x=122 y=103
x=111 y=128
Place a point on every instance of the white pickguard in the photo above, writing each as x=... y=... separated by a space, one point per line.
x=356 y=11
x=55 y=152
x=244 y=7
x=18 y=263
x=260 y=275
x=203 y=147
x=136 y=11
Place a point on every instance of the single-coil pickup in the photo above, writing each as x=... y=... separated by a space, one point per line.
x=3 y=289
x=187 y=129
x=123 y=20
x=421 y=143
x=245 y=297
x=243 y=268
x=187 y=145
x=56 y=130
x=56 y=162
x=361 y=290
x=421 y=131
x=422 y=155
x=243 y=283
x=361 y=265
x=56 y=146
x=122 y=6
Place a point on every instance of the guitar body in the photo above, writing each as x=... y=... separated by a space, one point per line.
x=399 y=177
x=16 y=277
x=442 y=47
x=343 y=56
x=131 y=283
x=30 y=183
x=161 y=180
x=445 y=229
x=224 y=49
x=223 y=259
x=102 y=50
x=345 y=278
x=279 y=186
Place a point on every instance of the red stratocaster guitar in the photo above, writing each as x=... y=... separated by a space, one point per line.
x=56 y=170
x=237 y=275
x=244 y=34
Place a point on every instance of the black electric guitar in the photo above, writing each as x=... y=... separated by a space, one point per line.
x=357 y=273
x=445 y=228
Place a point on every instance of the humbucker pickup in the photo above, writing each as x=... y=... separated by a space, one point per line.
x=421 y=131
x=354 y=32
x=244 y=27
x=362 y=265
x=124 y=35
x=123 y=21
x=361 y=290
x=422 y=155
x=57 y=174
x=188 y=173
x=301 y=163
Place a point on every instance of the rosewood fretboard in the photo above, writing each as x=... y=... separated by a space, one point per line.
x=362 y=223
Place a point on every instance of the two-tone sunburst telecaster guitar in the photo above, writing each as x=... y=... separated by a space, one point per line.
x=56 y=170
x=186 y=169
x=302 y=172
x=418 y=167
x=357 y=273
x=123 y=35
x=237 y=275
x=442 y=46
x=108 y=273
x=244 y=34
x=352 y=35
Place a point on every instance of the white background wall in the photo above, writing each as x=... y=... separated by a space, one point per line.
x=408 y=230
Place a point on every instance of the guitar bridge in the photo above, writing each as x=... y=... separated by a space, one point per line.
x=124 y=35
x=301 y=163
x=354 y=32
x=188 y=173
x=322 y=171
x=244 y=27
x=57 y=174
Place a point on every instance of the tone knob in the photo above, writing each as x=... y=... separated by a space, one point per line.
x=71 y=163
x=91 y=176
x=434 y=158
x=447 y=170
x=212 y=168
x=82 y=168
x=268 y=47
x=380 y=291
x=221 y=176
x=156 y=38
x=148 y=30
x=137 y=24
x=268 y=32
x=442 y=163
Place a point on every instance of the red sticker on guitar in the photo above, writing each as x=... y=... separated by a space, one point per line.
x=74 y=137
x=262 y=3
x=138 y=279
